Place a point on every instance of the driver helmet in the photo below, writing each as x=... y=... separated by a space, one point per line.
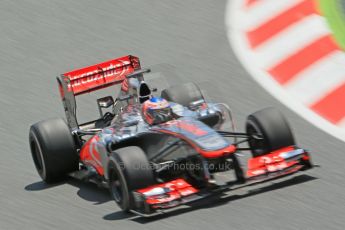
x=156 y=110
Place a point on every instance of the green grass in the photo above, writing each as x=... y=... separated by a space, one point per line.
x=331 y=9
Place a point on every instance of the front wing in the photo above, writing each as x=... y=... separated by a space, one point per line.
x=154 y=199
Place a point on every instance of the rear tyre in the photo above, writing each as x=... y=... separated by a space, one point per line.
x=53 y=150
x=183 y=94
x=128 y=170
x=270 y=131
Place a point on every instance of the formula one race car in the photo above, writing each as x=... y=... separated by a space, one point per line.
x=158 y=152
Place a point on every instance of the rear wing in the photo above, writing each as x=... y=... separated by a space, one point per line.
x=93 y=78
x=101 y=75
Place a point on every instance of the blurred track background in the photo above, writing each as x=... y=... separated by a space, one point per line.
x=289 y=47
x=41 y=39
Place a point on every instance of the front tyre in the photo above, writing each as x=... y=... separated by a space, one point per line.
x=269 y=131
x=53 y=150
x=128 y=170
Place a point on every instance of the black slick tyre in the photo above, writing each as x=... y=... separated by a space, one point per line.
x=128 y=170
x=53 y=149
x=183 y=94
x=269 y=131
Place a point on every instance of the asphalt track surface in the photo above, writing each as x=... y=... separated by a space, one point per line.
x=40 y=39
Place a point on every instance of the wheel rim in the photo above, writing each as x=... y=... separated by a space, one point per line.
x=116 y=188
x=258 y=145
x=197 y=173
x=38 y=157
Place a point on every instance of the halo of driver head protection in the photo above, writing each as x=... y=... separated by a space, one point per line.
x=156 y=110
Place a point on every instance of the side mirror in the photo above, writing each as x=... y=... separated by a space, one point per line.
x=104 y=102
x=196 y=104
x=144 y=92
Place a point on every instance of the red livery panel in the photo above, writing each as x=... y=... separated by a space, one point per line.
x=167 y=192
x=89 y=155
x=102 y=75
x=285 y=159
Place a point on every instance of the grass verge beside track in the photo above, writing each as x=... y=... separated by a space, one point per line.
x=332 y=11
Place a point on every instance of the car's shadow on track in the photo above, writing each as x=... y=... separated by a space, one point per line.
x=215 y=200
x=90 y=192
x=87 y=191
x=41 y=185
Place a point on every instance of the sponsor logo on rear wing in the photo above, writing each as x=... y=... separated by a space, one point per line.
x=101 y=75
